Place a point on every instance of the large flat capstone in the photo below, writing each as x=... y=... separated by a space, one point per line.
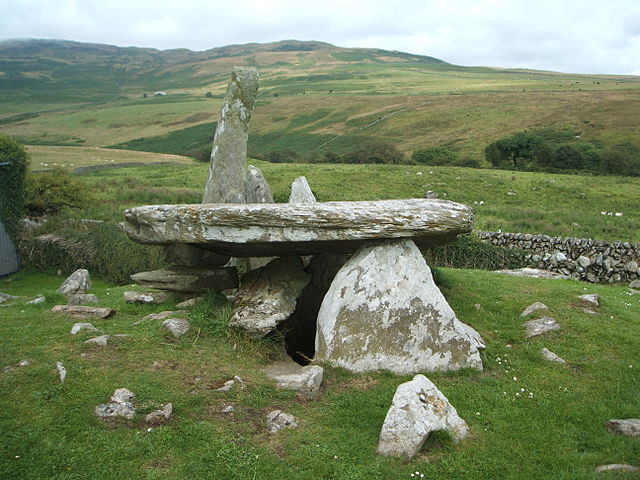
x=305 y=228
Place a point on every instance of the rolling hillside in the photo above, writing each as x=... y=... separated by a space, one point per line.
x=314 y=97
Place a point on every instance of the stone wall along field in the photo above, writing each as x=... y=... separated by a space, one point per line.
x=581 y=258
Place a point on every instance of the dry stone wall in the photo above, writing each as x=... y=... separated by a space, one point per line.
x=595 y=261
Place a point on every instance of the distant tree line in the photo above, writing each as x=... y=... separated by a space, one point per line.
x=552 y=150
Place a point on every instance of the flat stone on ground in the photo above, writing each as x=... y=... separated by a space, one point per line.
x=629 y=427
x=534 y=307
x=177 y=326
x=82 y=327
x=188 y=279
x=290 y=376
x=540 y=326
x=146 y=297
x=592 y=299
x=533 y=273
x=550 y=356
x=621 y=467
x=277 y=420
x=80 y=311
x=160 y=316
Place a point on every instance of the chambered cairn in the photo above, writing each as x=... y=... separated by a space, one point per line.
x=348 y=285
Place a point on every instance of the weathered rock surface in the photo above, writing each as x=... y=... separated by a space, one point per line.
x=146 y=297
x=120 y=406
x=101 y=340
x=228 y=172
x=80 y=311
x=82 y=327
x=418 y=408
x=277 y=420
x=191 y=303
x=160 y=417
x=82 y=299
x=534 y=307
x=257 y=189
x=177 y=326
x=160 y=316
x=183 y=255
x=62 y=372
x=629 y=427
x=268 y=295
x=635 y=284
x=299 y=228
x=78 y=282
x=592 y=299
x=550 y=356
x=533 y=273
x=37 y=301
x=5 y=297
x=289 y=375
x=189 y=280
x=540 y=326
x=474 y=336
x=301 y=192
x=384 y=311
x=622 y=467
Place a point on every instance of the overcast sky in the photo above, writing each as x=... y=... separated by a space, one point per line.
x=585 y=36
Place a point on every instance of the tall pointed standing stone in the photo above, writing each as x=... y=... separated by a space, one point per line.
x=230 y=180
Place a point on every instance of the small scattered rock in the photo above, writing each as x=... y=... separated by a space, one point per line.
x=177 y=326
x=418 y=408
x=20 y=364
x=81 y=327
x=159 y=417
x=539 y=326
x=82 y=299
x=617 y=466
x=592 y=299
x=635 y=284
x=534 y=307
x=62 y=372
x=146 y=297
x=550 y=356
x=228 y=385
x=277 y=420
x=24 y=363
x=228 y=409
x=37 y=301
x=191 y=303
x=533 y=273
x=102 y=340
x=5 y=297
x=305 y=380
x=120 y=406
x=628 y=428
x=160 y=316
x=84 y=312
x=78 y=282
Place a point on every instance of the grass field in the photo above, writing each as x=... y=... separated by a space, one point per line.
x=528 y=418
x=560 y=205
x=45 y=157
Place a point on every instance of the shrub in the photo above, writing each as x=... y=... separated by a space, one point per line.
x=99 y=247
x=520 y=151
x=13 y=170
x=374 y=152
x=49 y=192
x=285 y=155
x=621 y=159
x=434 y=156
x=468 y=251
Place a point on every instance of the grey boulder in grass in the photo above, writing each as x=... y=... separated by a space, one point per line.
x=78 y=282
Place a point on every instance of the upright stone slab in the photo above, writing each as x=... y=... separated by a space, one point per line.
x=301 y=191
x=230 y=180
x=383 y=311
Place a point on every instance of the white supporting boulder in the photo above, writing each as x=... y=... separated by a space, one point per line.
x=384 y=311
x=418 y=408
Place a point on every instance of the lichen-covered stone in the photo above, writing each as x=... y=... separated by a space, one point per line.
x=301 y=191
x=289 y=375
x=82 y=299
x=177 y=326
x=78 y=282
x=297 y=228
x=540 y=326
x=80 y=311
x=80 y=327
x=146 y=297
x=268 y=296
x=418 y=408
x=384 y=311
x=188 y=279
x=629 y=427
x=550 y=356
x=534 y=307
x=228 y=172
x=277 y=420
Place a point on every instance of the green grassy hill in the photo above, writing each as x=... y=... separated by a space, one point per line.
x=314 y=97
